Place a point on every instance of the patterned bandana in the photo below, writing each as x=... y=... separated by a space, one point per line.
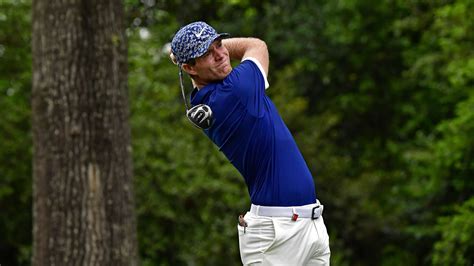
x=193 y=40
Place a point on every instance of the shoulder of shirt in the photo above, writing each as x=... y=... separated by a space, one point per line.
x=256 y=62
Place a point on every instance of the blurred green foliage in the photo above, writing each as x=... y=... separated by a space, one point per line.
x=15 y=135
x=379 y=97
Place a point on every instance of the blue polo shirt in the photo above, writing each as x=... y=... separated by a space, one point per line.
x=252 y=135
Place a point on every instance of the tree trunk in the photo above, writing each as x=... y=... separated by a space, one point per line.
x=83 y=205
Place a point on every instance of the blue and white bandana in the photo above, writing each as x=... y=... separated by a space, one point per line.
x=193 y=40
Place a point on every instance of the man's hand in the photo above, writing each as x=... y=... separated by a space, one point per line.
x=173 y=58
x=167 y=50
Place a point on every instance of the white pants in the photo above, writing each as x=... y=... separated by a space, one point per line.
x=281 y=241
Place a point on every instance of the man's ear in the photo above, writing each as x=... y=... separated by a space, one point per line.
x=190 y=69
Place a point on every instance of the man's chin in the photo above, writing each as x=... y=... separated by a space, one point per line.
x=223 y=72
x=227 y=69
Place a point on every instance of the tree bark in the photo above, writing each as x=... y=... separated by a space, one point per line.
x=83 y=206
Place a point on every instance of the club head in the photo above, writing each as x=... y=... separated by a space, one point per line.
x=200 y=116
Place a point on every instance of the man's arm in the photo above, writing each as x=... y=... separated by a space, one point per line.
x=241 y=48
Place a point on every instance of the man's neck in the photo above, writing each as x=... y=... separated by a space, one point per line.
x=199 y=83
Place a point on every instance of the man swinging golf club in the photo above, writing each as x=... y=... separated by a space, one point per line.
x=284 y=225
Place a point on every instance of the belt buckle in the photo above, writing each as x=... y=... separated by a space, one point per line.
x=313 y=213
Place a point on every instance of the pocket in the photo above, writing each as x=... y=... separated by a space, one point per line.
x=322 y=232
x=258 y=237
x=241 y=230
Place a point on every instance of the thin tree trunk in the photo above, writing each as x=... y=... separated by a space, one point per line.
x=83 y=195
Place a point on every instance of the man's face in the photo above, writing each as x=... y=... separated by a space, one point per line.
x=214 y=65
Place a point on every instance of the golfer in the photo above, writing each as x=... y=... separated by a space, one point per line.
x=284 y=225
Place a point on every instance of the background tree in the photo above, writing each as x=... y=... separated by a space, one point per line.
x=83 y=208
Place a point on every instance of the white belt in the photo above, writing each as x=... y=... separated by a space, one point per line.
x=313 y=211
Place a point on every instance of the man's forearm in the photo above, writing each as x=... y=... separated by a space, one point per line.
x=238 y=46
x=247 y=47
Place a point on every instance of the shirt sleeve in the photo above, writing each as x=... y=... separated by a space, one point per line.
x=248 y=82
x=260 y=68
